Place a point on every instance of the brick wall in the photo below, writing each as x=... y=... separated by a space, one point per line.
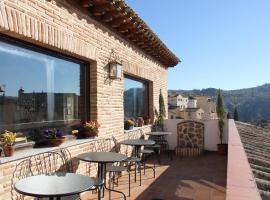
x=65 y=27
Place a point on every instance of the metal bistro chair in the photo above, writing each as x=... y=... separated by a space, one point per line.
x=98 y=183
x=146 y=153
x=110 y=144
x=22 y=170
x=117 y=168
x=132 y=159
x=50 y=162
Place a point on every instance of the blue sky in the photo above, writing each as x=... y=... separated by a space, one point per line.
x=222 y=43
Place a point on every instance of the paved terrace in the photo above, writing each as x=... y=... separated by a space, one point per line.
x=198 y=178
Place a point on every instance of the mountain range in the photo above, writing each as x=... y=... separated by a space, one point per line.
x=253 y=104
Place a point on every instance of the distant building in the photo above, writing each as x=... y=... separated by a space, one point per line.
x=178 y=100
x=208 y=105
x=42 y=106
x=192 y=102
x=197 y=107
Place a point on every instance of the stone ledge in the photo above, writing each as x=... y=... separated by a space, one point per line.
x=24 y=153
x=138 y=128
x=240 y=181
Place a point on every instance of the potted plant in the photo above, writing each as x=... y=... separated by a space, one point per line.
x=160 y=114
x=129 y=124
x=86 y=129
x=140 y=121
x=222 y=148
x=8 y=142
x=55 y=137
x=147 y=120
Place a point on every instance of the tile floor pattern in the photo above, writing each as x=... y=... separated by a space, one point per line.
x=194 y=178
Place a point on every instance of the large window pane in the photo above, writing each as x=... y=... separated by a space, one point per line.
x=135 y=98
x=38 y=89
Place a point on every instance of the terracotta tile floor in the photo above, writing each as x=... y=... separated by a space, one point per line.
x=198 y=178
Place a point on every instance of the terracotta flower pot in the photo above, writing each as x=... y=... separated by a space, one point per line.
x=9 y=150
x=56 y=142
x=222 y=149
x=87 y=134
x=147 y=121
x=140 y=123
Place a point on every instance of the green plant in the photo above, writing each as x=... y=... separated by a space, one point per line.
x=8 y=138
x=91 y=125
x=221 y=115
x=228 y=115
x=129 y=123
x=161 y=113
x=236 y=115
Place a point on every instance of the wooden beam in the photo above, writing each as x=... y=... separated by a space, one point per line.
x=117 y=22
x=110 y=15
x=125 y=27
x=101 y=9
x=86 y=3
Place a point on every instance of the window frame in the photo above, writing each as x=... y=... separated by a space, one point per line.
x=85 y=65
x=147 y=90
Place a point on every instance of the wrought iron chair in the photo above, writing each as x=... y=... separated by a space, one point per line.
x=98 y=184
x=117 y=168
x=146 y=152
x=132 y=159
x=22 y=170
x=50 y=162
x=110 y=144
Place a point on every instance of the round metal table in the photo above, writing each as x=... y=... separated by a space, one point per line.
x=102 y=158
x=137 y=143
x=160 y=138
x=54 y=185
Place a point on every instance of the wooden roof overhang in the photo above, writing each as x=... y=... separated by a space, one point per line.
x=119 y=17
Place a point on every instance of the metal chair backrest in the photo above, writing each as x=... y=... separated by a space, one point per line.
x=68 y=159
x=48 y=162
x=22 y=170
x=136 y=134
x=104 y=145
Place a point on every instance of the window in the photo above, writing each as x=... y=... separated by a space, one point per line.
x=39 y=89
x=135 y=98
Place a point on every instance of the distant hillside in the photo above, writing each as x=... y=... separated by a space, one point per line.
x=252 y=103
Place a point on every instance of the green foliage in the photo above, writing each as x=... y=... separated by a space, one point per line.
x=236 y=115
x=221 y=129
x=221 y=115
x=161 y=113
x=220 y=106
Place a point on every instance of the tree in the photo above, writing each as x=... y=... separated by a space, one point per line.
x=236 y=115
x=221 y=115
x=161 y=113
x=228 y=115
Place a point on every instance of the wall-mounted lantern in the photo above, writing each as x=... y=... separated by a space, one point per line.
x=115 y=67
x=115 y=70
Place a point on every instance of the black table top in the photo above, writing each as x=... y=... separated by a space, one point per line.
x=138 y=142
x=102 y=157
x=54 y=185
x=158 y=133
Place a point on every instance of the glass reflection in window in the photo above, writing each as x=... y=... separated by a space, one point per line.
x=135 y=98
x=36 y=87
